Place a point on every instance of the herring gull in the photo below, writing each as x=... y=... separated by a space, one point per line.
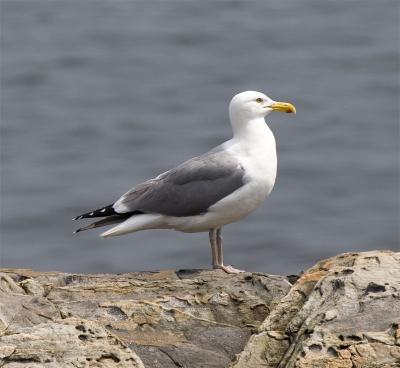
x=206 y=192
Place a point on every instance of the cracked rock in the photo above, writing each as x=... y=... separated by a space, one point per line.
x=142 y=319
x=343 y=312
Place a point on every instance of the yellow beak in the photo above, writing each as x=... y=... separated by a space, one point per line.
x=283 y=106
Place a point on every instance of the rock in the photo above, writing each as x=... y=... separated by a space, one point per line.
x=72 y=342
x=144 y=319
x=343 y=312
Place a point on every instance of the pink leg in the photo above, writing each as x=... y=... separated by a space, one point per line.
x=218 y=258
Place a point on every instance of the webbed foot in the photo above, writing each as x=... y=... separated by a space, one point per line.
x=228 y=269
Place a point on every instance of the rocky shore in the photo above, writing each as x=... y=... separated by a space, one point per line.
x=343 y=312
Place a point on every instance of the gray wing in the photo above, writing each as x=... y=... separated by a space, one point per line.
x=189 y=189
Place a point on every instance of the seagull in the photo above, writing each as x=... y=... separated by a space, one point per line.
x=209 y=191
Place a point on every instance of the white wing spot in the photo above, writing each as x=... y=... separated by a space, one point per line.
x=103 y=210
x=91 y=213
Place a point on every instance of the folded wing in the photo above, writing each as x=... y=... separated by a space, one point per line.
x=188 y=190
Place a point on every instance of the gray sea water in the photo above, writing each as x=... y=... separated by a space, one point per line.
x=97 y=96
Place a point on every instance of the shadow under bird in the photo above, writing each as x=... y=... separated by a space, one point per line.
x=209 y=191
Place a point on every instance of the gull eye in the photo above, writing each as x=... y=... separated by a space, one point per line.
x=259 y=100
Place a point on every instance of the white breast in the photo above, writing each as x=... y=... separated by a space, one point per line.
x=258 y=158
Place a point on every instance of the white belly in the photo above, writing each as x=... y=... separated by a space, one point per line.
x=236 y=206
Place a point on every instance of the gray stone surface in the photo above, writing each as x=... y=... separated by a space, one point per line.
x=152 y=319
x=342 y=313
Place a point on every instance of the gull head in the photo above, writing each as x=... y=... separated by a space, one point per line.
x=251 y=105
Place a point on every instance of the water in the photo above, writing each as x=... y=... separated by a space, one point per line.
x=97 y=96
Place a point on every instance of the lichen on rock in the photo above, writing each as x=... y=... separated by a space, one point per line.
x=343 y=312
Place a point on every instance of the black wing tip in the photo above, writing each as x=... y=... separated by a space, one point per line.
x=101 y=212
x=77 y=231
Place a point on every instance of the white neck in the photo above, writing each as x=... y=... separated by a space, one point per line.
x=251 y=131
x=253 y=143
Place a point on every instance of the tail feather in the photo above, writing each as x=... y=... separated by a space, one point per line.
x=107 y=221
x=136 y=223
